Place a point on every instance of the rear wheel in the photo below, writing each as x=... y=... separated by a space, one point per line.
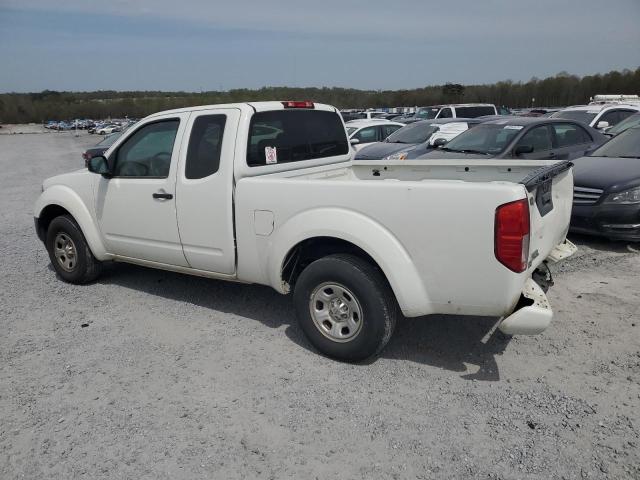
x=345 y=307
x=69 y=253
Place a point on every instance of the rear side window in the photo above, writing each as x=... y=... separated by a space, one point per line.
x=367 y=135
x=283 y=136
x=445 y=113
x=205 y=144
x=389 y=129
x=473 y=112
x=568 y=134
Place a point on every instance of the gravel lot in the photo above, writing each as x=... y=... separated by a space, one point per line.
x=153 y=375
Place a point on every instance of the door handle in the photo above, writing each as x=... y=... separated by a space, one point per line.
x=162 y=195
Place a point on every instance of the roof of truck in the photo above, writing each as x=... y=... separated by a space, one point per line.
x=256 y=106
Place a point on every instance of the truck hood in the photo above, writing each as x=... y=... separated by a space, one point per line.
x=380 y=150
x=64 y=179
x=611 y=174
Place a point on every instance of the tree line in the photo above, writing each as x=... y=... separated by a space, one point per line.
x=560 y=90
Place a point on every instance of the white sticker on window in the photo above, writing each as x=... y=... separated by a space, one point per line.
x=513 y=127
x=271 y=155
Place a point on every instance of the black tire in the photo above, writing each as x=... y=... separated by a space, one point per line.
x=84 y=268
x=372 y=295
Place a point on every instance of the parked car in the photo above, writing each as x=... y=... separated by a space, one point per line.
x=424 y=133
x=606 y=194
x=600 y=116
x=293 y=212
x=107 y=129
x=630 y=121
x=522 y=137
x=364 y=132
x=461 y=110
x=100 y=147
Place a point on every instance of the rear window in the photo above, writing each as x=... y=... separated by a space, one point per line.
x=473 y=112
x=284 y=136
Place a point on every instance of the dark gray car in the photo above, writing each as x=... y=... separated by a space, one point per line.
x=405 y=140
x=522 y=137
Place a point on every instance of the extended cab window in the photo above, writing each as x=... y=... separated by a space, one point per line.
x=295 y=135
x=205 y=144
x=147 y=153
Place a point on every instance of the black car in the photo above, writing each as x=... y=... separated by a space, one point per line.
x=606 y=193
x=401 y=142
x=522 y=137
x=100 y=147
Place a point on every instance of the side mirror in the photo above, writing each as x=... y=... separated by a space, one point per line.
x=522 y=149
x=439 y=142
x=602 y=125
x=354 y=141
x=99 y=165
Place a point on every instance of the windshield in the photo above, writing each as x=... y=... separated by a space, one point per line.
x=427 y=113
x=110 y=140
x=627 y=144
x=584 y=116
x=413 y=133
x=632 y=121
x=487 y=138
x=350 y=130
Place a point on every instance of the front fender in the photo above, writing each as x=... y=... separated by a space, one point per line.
x=362 y=231
x=66 y=198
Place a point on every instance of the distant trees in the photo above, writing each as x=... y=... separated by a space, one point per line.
x=559 y=90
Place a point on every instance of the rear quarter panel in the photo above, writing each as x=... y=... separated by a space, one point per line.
x=434 y=240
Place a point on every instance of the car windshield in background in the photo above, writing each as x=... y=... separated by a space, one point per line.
x=625 y=145
x=413 y=133
x=110 y=140
x=474 y=112
x=584 y=116
x=486 y=139
x=283 y=136
x=632 y=121
x=427 y=113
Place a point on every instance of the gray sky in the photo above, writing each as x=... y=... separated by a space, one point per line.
x=210 y=45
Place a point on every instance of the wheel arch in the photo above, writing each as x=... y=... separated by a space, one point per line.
x=61 y=200
x=343 y=231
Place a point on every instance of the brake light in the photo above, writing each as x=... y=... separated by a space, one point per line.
x=298 y=104
x=512 y=235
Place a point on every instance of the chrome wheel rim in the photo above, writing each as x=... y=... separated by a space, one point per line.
x=336 y=312
x=65 y=252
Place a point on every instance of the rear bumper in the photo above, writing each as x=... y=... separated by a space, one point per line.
x=532 y=315
x=618 y=222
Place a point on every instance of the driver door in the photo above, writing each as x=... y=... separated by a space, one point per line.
x=136 y=209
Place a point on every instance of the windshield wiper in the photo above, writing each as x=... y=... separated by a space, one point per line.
x=465 y=150
x=629 y=156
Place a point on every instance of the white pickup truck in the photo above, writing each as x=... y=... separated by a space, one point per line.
x=267 y=193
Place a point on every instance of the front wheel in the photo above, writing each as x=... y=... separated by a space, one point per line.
x=345 y=307
x=69 y=253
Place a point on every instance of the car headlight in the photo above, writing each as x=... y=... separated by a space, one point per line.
x=396 y=156
x=627 y=197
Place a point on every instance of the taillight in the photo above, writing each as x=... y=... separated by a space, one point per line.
x=297 y=104
x=512 y=235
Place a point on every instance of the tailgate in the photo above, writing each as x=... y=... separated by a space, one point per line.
x=550 y=192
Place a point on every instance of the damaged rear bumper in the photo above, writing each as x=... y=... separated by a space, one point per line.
x=533 y=313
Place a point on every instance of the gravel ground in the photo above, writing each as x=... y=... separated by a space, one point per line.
x=153 y=375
